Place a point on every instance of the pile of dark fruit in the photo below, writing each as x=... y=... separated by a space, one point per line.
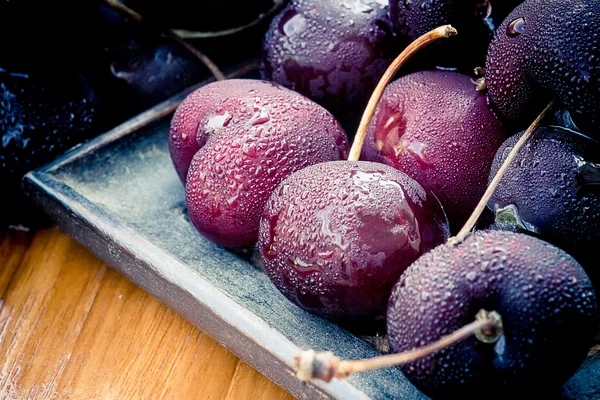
x=501 y=311
x=81 y=69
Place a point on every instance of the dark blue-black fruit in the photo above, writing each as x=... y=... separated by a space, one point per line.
x=41 y=116
x=552 y=190
x=544 y=297
x=544 y=50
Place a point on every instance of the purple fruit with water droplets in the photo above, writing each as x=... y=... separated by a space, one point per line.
x=250 y=136
x=437 y=128
x=334 y=52
x=335 y=237
x=545 y=299
x=551 y=190
x=186 y=135
x=544 y=50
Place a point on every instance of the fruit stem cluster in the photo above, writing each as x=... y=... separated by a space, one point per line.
x=487 y=328
x=444 y=31
x=466 y=229
x=122 y=8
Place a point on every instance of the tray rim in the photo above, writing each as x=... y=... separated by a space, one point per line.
x=43 y=188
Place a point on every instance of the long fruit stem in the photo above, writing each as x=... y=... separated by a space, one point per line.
x=487 y=327
x=492 y=186
x=444 y=31
x=117 y=5
x=187 y=34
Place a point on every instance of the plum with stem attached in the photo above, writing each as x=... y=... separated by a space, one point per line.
x=437 y=128
x=335 y=236
x=500 y=314
x=551 y=191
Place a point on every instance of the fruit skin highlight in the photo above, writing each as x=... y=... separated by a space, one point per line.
x=335 y=237
x=333 y=52
x=252 y=134
x=545 y=299
x=186 y=135
x=547 y=49
x=437 y=128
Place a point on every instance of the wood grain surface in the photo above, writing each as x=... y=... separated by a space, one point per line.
x=73 y=328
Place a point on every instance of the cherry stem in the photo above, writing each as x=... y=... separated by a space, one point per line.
x=117 y=5
x=487 y=327
x=444 y=31
x=187 y=34
x=466 y=229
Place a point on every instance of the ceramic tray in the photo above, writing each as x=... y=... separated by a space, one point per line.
x=120 y=197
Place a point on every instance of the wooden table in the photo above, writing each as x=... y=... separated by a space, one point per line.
x=73 y=328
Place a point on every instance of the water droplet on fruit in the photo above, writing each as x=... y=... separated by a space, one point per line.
x=471 y=276
x=357 y=6
x=295 y=25
x=260 y=117
x=249 y=149
x=217 y=121
x=516 y=27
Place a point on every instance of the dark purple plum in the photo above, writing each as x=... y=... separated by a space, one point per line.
x=551 y=190
x=334 y=52
x=135 y=66
x=475 y=21
x=42 y=114
x=335 y=237
x=131 y=66
x=545 y=299
x=152 y=69
x=544 y=50
x=437 y=128
x=251 y=135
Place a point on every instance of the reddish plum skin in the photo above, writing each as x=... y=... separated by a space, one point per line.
x=545 y=299
x=186 y=136
x=256 y=135
x=438 y=129
x=333 y=52
x=335 y=237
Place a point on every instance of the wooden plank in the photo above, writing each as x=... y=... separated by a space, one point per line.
x=72 y=328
